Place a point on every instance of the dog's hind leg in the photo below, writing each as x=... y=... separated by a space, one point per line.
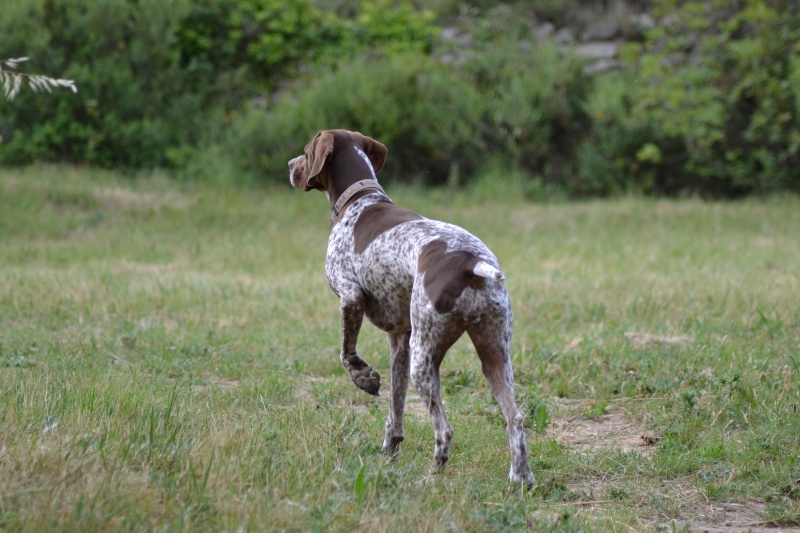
x=492 y=339
x=431 y=336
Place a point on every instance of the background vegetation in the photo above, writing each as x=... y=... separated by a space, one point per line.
x=706 y=100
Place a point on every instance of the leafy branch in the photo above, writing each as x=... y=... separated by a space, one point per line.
x=12 y=80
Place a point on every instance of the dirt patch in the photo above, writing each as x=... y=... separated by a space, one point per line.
x=586 y=427
x=128 y=200
x=212 y=380
x=647 y=340
x=611 y=430
x=302 y=393
x=699 y=517
x=130 y=267
x=724 y=518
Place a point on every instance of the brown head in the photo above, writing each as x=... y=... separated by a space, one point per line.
x=334 y=160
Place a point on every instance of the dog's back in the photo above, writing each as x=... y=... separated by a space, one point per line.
x=389 y=249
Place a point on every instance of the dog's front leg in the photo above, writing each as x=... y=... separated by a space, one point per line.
x=398 y=342
x=351 y=309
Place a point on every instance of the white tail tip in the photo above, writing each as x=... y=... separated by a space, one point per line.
x=485 y=270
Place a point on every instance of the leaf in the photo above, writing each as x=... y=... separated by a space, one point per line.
x=649 y=153
x=360 y=487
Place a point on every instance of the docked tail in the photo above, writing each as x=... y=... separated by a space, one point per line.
x=485 y=270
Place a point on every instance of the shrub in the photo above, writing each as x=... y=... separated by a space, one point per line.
x=426 y=114
x=159 y=78
x=534 y=106
x=607 y=158
x=263 y=39
x=718 y=82
x=130 y=103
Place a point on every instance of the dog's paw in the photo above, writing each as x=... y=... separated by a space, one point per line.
x=391 y=446
x=367 y=380
x=438 y=464
x=527 y=481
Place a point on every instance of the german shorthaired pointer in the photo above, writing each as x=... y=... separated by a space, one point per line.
x=421 y=281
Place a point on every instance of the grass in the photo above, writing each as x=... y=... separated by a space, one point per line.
x=168 y=360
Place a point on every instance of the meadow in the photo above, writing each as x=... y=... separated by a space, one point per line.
x=168 y=361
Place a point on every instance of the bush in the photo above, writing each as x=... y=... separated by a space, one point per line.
x=498 y=105
x=534 y=93
x=535 y=107
x=717 y=81
x=607 y=158
x=131 y=102
x=709 y=102
x=428 y=116
x=159 y=78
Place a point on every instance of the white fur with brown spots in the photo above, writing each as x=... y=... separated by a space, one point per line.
x=421 y=281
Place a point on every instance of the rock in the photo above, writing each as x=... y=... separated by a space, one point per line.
x=457 y=37
x=601 y=30
x=601 y=65
x=544 y=31
x=565 y=36
x=641 y=22
x=597 y=50
x=449 y=34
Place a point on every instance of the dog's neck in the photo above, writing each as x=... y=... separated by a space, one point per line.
x=356 y=189
x=349 y=166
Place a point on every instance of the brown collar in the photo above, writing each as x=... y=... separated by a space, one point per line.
x=350 y=192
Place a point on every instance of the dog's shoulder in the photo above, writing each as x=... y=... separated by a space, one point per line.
x=376 y=219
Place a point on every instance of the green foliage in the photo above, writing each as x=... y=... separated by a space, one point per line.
x=159 y=79
x=595 y=410
x=535 y=113
x=396 y=27
x=538 y=414
x=262 y=38
x=612 y=158
x=518 y=108
x=716 y=82
x=228 y=90
x=131 y=103
x=360 y=487
x=273 y=34
x=426 y=113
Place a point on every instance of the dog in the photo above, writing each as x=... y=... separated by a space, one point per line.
x=422 y=281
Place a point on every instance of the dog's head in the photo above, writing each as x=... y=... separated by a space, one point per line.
x=310 y=170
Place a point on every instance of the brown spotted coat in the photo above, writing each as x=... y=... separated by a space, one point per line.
x=422 y=281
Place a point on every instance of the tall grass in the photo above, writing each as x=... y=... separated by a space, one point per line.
x=168 y=360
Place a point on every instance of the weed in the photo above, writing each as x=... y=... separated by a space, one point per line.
x=595 y=410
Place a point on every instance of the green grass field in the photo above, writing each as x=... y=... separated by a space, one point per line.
x=168 y=360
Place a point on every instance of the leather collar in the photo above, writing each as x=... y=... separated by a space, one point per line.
x=348 y=194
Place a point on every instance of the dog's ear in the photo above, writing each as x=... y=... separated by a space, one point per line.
x=375 y=151
x=317 y=152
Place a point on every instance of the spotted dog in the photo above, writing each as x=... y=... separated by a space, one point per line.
x=421 y=281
